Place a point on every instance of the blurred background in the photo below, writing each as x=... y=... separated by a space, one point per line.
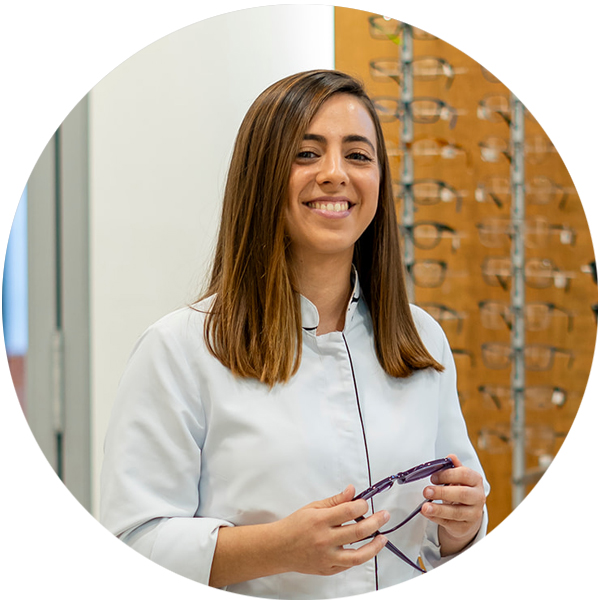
x=117 y=224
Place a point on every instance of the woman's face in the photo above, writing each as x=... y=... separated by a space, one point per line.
x=334 y=182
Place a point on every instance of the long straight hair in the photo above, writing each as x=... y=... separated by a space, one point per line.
x=254 y=326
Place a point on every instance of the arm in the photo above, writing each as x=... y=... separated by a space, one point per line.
x=158 y=423
x=452 y=527
x=150 y=487
x=310 y=540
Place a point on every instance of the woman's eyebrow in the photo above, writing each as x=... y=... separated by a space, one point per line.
x=355 y=137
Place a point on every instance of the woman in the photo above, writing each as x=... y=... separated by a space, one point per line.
x=303 y=371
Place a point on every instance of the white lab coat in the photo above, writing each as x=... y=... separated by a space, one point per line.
x=191 y=448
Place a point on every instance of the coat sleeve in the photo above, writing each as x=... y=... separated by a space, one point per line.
x=153 y=460
x=452 y=438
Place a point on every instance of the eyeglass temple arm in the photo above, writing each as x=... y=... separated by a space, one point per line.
x=403 y=557
x=393 y=548
x=413 y=514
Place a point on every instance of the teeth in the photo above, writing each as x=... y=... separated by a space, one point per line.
x=329 y=206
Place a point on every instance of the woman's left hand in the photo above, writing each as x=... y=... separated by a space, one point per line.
x=460 y=514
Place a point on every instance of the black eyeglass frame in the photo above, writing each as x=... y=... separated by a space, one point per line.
x=440 y=229
x=400 y=188
x=438 y=282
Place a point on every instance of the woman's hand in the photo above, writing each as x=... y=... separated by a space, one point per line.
x=460 y=514
x=310 y=540
x=315 y=535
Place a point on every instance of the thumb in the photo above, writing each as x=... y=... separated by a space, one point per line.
x=340 y=498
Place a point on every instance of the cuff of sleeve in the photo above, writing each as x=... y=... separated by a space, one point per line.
x=431 y=553
x=183 y=545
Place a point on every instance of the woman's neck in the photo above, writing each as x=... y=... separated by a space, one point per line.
x=325 y=281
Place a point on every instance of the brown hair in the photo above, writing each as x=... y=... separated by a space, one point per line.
x=254 y=326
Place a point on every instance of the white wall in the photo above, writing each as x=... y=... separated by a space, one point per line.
x=162 y=126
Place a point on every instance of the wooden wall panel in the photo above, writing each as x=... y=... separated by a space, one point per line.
x=464 y=286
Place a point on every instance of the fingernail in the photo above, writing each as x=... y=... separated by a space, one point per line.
x=428 y=492
x=386 y=516
x=428 y=509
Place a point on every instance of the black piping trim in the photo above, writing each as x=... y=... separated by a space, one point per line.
x=362 y=424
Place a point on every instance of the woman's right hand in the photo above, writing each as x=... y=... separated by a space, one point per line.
x=313 y=537
x=310 y=540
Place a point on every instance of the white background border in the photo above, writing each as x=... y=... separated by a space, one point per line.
x=53 y=53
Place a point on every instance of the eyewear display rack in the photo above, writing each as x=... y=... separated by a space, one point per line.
x=406 y=139
x=460 y=182
x=517 y=178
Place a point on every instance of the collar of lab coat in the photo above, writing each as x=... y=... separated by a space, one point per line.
x=310 y=314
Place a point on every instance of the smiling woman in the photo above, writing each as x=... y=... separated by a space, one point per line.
x=333 y=195
x=301 y=372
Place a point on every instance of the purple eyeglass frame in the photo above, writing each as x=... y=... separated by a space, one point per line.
x=419 y=472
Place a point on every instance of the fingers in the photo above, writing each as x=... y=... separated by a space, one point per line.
x=455 y=494
x=451 y=512
x=349 y=534
x=457 y=476
x=336 y=500
x=351 y=557
x=460 y=491
x=346 y=512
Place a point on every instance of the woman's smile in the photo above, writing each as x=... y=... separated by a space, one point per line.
x=331 y=207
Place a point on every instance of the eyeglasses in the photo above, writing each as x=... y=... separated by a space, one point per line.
x=539 y=190
x=537 y=148
x=385 y=28
x=443 y=313
x=428 y=234
x=537 y=397
x=495 y=440
x=422 y=109
x=431 y=147
x=495 y=189
x=539 y=273
x=492 y=148
x=424 y=68
x=539 y=441
x=495 y=108
x=498 y=315
x=542 y=190
x=495 y=232
x=429 y=273
x=415 y=474
x=538 y=357
x=427 y=191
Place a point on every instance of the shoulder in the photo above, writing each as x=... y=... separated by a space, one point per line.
x=178 y=329
x=430 y=331
x=424 y=321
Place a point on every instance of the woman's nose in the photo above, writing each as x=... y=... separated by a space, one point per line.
x=332 y=170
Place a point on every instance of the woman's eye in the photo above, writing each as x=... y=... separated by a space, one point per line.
x=305 y=154
x=359 y=156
